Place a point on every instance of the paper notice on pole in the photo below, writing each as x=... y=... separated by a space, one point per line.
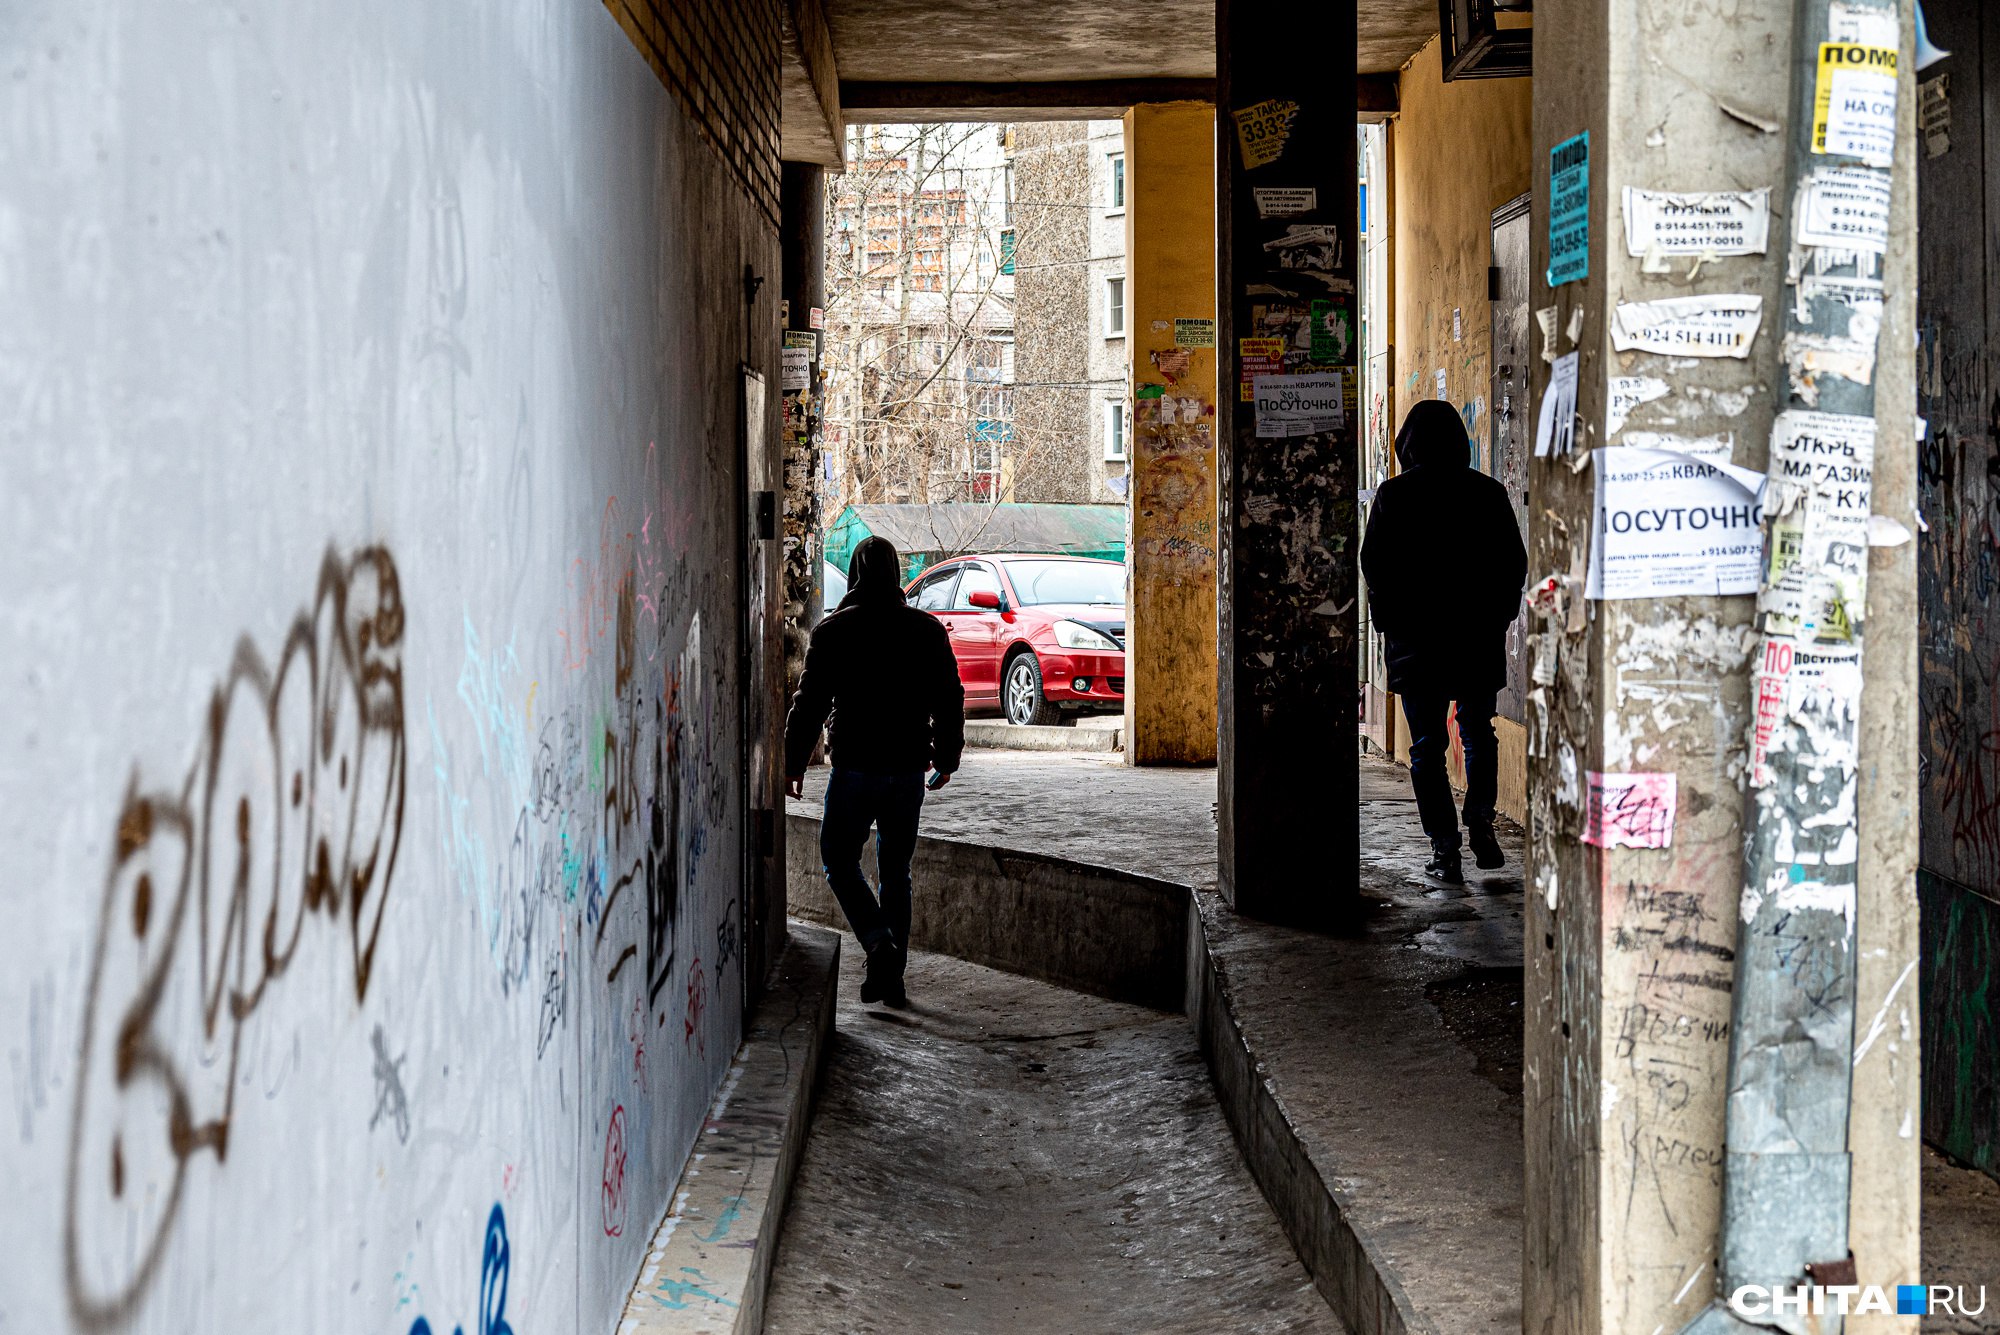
x=1822 y=470
x=795 y=368
x=1669 y=524
x=1854 y=102
x=1262 y=130
x=1719 y=222
x=1629 y=810
x=1723 y=325
x=1193 y=333
x=1627 y=392
x=1285 y=201
x=1846 y=207
x=1299 y=405
x=1569 y=210
x=1787 y=673
x=1555 y=427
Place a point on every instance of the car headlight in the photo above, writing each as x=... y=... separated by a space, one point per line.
x=1076 y=635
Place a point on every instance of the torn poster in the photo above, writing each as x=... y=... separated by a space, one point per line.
x=1717 y=449
x=1309 y=249
x=1670 y=524
x=1822 y=466
x=1555 y=428
x=1854 y=102
x=1717 y=222
x=1262 y=130
x=1443 y=391
x=1299 y=405
x=1256 y=357
x=1846 y=207
x=1629 y=810
x=1569 y=210
x=1723 y=325
x=1285 y=201
x=1797 y=678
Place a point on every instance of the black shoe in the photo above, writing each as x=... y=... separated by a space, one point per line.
x=882 y=972
x=1486 y=854
x=894 y=994
x=1444 y=868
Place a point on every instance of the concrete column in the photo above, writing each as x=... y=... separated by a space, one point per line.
x=1170 y=298
x=1630 y=950
x=1286 y=223
x=802 y=202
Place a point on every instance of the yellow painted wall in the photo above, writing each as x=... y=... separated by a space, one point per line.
x=1170 y=647
x=1460 y=150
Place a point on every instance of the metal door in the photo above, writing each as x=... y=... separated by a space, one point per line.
x=1508 y=286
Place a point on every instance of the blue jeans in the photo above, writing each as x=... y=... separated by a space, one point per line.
x=1429 y=742
x=889 y=803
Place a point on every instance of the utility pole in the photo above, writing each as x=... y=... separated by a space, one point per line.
x=1786 y=1174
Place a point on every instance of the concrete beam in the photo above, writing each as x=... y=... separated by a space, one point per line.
x=811 y=127
x=1170 y=293
x=1069 y=99
x=1376 y=97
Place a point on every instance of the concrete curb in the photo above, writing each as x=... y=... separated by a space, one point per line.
x=1070 y=923
x=1035 y=737
x=1110 y=933
x=1346 y=1269
x=710 y=1260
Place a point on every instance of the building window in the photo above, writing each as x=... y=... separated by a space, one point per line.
x=1114 y=430
x=1114 y=308
x=1117 y=192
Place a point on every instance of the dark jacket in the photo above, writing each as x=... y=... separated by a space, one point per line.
x=1444 y=562
x=887 y=675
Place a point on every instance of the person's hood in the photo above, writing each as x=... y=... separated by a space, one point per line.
x=874 y=574
x=1433 y=434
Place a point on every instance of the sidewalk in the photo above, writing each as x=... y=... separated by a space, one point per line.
x=1388 y=1050
x=1395 y=1052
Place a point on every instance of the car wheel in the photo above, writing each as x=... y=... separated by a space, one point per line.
x=1022 y=693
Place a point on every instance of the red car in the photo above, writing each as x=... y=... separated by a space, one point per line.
x=1036 y=636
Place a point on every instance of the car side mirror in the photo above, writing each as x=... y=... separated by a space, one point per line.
x=984 y=598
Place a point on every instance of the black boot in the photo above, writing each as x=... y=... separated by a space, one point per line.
x=1486 y=852
x=882 y=970
x=894 y=993
x=1444 y=867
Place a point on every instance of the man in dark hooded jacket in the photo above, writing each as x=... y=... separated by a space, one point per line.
x=1445 y=565
x=887 y=675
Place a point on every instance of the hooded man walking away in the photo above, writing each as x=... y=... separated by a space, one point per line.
x=887 y=675
x=1445 y=566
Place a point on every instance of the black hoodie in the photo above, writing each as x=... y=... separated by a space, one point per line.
x=1444 y=562
x=886 y=674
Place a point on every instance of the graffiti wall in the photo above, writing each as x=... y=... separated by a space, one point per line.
x=1958 y=576
x=372 y=633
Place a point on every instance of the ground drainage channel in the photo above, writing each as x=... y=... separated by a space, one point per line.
x=1012 y=1156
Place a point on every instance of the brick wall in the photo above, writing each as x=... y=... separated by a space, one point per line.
x=720 y=58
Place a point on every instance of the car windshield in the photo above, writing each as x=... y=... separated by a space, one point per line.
x=1100 y=583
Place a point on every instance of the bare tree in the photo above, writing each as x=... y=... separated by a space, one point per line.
x=925 y=233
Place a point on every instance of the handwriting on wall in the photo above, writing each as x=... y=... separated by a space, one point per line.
x=293 y=806
x=494 y=1263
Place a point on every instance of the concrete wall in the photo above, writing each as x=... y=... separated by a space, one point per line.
x=372 y=630
x=1170 y=688
x=1631 y=954
x=1460 y=150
